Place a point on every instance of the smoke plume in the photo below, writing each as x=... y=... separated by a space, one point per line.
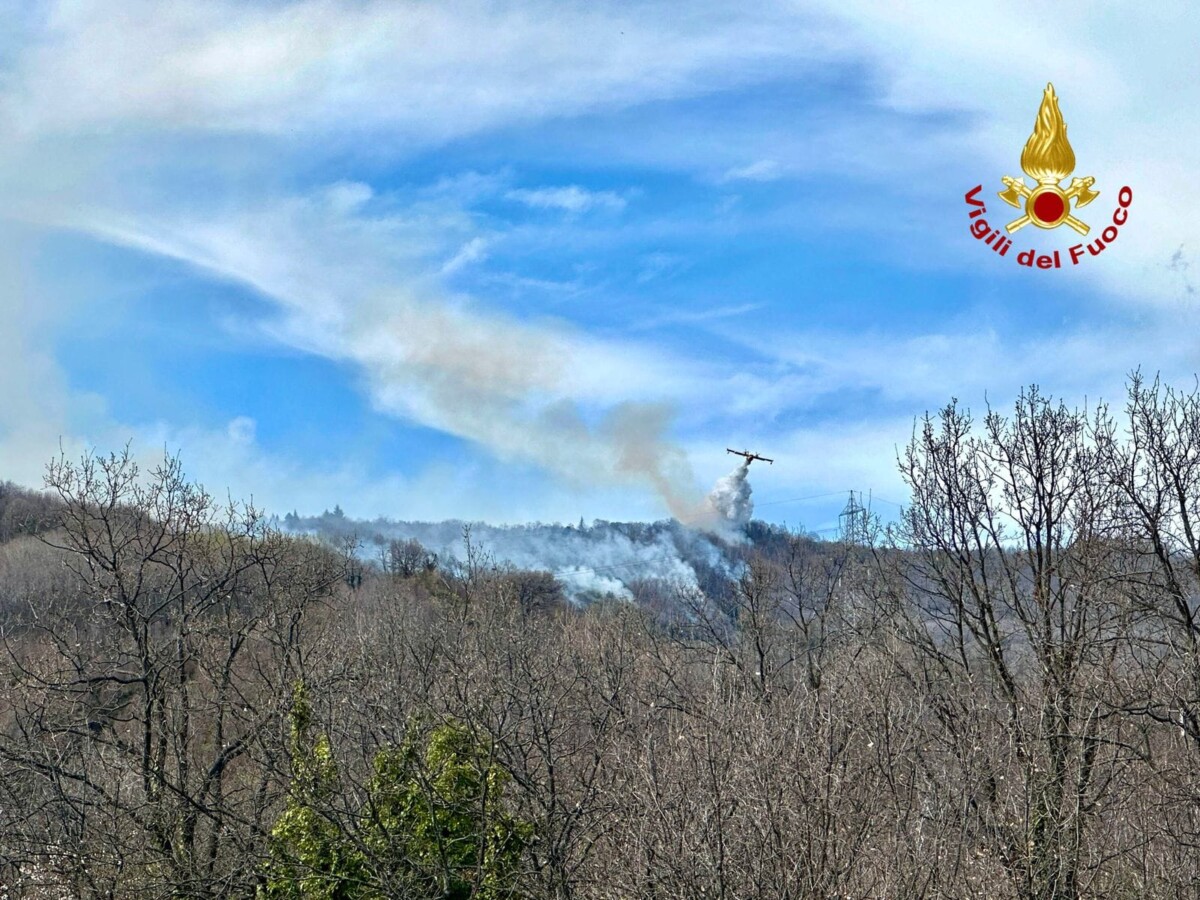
x=592 y=412
x=730 y=500
x=589 y=561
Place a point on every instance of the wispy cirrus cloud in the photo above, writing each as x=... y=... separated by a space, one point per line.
x=472 y=251
x=267 y=145
x=570 y=199
x=427 y=71
x=588 y=410
x=759 y=170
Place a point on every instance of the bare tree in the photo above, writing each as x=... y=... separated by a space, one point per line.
x=407 y=558
x=141 y=720
x=999 y=700
x=1012 y=594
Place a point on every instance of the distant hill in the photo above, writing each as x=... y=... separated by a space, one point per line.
x=591 y=561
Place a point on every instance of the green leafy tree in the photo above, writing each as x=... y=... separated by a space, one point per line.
x=433 y=825
x=311 y=859
x=436 y=822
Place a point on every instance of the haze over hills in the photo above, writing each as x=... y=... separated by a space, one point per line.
x=590 y=561
x=1029 y=622
x=603 y=559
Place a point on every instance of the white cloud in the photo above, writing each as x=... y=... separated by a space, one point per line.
x=106 y=109
x=922 y=371
x=348 y=196
x=760 y=170
x=426 y=70
x=349 y=287
x=571 y=199
x=472 y=251
x=241 y=430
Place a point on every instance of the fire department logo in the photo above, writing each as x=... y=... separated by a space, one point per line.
x=1048 y=159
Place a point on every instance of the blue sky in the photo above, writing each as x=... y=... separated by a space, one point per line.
x=543 y=260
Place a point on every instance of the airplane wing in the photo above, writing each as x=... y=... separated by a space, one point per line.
x=748 y=455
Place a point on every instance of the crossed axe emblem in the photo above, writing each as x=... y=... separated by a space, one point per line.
x=1047 y=205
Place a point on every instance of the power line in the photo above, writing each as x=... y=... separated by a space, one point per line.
x=799 y=499
x=820 y=497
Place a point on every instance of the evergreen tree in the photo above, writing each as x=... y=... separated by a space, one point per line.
x=437 y=819
x=433 y=826
x=310 y=857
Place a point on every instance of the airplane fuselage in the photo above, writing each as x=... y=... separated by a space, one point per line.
x=750 y=457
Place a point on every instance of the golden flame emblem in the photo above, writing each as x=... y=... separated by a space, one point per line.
x=1048 y=159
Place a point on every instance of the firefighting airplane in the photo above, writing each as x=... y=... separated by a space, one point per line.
x=750 y=457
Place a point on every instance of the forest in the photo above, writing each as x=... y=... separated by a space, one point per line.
x=996 y=695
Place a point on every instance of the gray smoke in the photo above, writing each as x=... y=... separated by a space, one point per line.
x=603 y=559
x=598 y=560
